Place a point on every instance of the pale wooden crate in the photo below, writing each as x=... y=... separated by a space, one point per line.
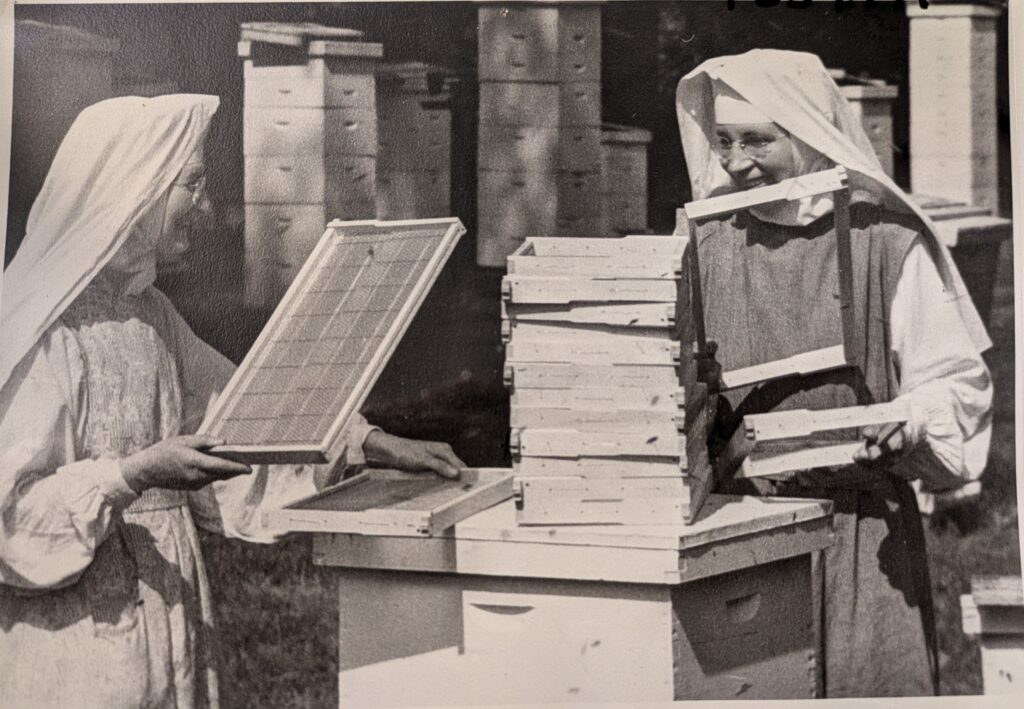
x=506 y=103
x=570 y=376
x=339 y=181
x=551 y=290
x=994 y=613
x=521 y=42
x=413 y=194
x=517 y=43
x=368 y=503
x=303 y=131
x=625 y=315
x=318 y=82
x=579 y=40
x=539 y=149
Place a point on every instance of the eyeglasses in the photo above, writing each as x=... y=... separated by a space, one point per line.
x=754 y=147
x=196 y=187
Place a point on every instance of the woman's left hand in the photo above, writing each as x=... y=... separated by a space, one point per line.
x=383 y=449
x=883 y=446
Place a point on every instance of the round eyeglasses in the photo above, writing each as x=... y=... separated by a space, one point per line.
x=196 y=187
x=754 y=147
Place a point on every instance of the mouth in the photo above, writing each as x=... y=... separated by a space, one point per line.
x=758 y=182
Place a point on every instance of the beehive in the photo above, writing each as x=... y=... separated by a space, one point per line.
x=539 y=150
x=609 y=422
x=309 y=142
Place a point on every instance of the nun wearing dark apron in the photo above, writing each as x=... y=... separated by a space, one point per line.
x=771 y=291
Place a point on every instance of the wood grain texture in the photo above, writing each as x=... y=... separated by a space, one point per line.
x=313 y=364
x=392 y=502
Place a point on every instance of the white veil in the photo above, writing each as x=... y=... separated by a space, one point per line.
x=112 y=170
x=796 y=92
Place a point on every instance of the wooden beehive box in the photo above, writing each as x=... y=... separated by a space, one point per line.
x=994 y=612
x=624 y=178
x=414 y=157
x=609 y=422
x=309 y=144
x=395 y=503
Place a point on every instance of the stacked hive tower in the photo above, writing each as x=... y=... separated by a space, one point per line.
x=414 y=155
x=539 y=151
x=624 y=179
x=609 y=422
x=309 y=141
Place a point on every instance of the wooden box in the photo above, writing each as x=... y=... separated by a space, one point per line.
x=315 y=83
x=544 y=149
x=338 y=181
x=413 y=194
x=584 y=613
x=390 y=502
x=505 y=103
x=529 y=43
x=994 y=613
x=310 y=131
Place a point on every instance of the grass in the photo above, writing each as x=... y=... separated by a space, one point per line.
x=277 y=613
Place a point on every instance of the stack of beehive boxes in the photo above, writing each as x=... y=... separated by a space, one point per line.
x=624 y=178
x=310 y=145
x=414 y=156
x=609 y=422
x=540 y=125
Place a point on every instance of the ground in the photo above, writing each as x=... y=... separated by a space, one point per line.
x=277 y=613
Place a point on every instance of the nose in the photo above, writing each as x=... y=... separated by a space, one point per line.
x=737 y=161
x=203 y=204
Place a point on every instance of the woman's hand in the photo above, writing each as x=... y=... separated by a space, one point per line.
x=179 y=464
x=884 y=446
x=383 y=449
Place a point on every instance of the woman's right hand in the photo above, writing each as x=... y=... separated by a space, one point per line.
x=179 y=463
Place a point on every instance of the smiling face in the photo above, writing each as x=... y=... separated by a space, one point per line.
x=766 y=156
x=186 y=203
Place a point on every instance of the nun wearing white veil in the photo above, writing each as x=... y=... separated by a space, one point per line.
x=771 y=287
x=103 y=595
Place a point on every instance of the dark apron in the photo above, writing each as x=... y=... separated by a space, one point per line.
x=772 y=292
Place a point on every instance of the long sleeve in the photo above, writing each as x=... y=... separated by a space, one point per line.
x=55 y=510
x=234 y=507
x=941 y=375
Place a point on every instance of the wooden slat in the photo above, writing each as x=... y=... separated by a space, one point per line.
x=599 y=468
x=800 y=364
x=792 y=189
x=997 y=590
x=387 y=502
x=569 y=443
x=663 y=422
x=630 y=315
x=788 y=441
x=536 y=289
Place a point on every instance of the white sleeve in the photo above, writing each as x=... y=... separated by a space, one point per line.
x=56 y=510
x=942 y=376
x=235 y=507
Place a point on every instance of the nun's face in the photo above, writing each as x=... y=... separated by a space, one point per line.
x=186 y=203
x=755 y=154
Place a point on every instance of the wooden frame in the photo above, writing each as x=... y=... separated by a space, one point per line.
x=790 y=441
x=332 y=445
x=390 y=513
x=834 y=181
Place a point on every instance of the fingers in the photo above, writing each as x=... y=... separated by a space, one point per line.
x=214 y=466
x=199 y=441
x=882 y=444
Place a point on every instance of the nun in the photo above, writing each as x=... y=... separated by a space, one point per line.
x=771 y=290
x=104 y=600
